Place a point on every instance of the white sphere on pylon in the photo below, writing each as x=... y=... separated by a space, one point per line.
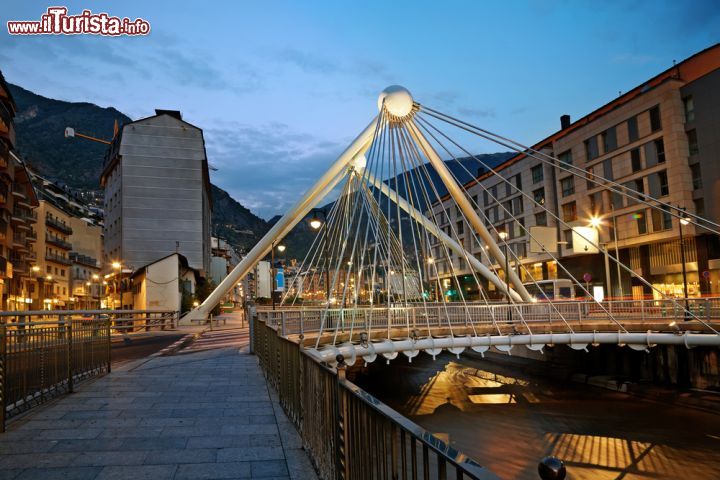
x=398 y=101
x=359 y=163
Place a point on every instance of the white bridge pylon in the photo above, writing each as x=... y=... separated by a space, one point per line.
x=395 y=100
x=382 y=242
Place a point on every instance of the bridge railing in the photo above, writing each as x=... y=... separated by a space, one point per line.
x=44 y=353
x=349 y=433
x=520 y=317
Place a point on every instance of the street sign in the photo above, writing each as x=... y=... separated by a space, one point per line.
x=585 y=240
x=543 y=239
x=706 y=274
x=279 y=280
x=587 y=277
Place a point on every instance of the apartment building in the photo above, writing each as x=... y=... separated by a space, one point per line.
x=157 y=193
x=17 y=215
x=660 y=139
x=68 y=250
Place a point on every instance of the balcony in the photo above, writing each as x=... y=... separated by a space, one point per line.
x=58 y=242
x=51 y=257
x=19 y=264
x=83 y=260
x=21 y=215
x=31 y=236
x=58 y=225
x=19 y=194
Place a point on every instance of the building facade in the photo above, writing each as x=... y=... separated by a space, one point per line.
x=17 y=215
x=661 y=139
x=157 y=193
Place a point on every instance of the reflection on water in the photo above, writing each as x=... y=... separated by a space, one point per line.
x=507 y=421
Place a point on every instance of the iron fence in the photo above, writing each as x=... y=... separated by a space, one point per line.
x=44 y=353
x=349 y=433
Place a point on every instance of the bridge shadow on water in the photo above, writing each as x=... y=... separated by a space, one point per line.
x=508 y=420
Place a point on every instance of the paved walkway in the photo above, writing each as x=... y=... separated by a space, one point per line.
x=202 y=415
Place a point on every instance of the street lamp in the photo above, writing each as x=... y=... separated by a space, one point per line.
x=118 y=266
x=281 y=249
x=596 y=222
x=503 y=235
x=315 y=224
x=684 y=221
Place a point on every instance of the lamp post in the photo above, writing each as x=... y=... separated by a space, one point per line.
x=315 y=224
x=684 y=221
x=280 y=248
x=118 y=266
x=596 y=222
x=503 y=235
x=96 y=278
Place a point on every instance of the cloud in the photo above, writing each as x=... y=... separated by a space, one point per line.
x=267 y=168
x=477 y=112
x=634 y=58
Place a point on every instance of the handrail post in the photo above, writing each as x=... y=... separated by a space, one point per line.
x=282 y=323
x=341 y=456
x=109 y=343
x=3 y=372
x=69 y=333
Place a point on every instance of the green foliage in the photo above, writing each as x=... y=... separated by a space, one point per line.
x=202 y=290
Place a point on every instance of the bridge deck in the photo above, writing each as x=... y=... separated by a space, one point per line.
x=201 y=415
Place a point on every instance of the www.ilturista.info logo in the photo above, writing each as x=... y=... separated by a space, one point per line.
x=57 y=22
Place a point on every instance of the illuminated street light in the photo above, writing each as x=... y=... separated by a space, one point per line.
x=315 y=223
x=281 y=248
x=595 y=222
x=48 y=277
x=685 y=220
x=503 y=235
x=96 y=276
x=116 y=265
x=35 y=268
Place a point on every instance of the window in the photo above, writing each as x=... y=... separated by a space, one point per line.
x=699 y=206
x=654 y=152
x=518 y=228
x=486 y=197
x=641 y=222
x=517 y=204
x=567 y=185
x=632 y=129
x=658 y=184
x=541 y=219
x=493 y=192
x=566 y=157
x=596 y=202
x=507 y=209
x=569 y=211
x=689 y=105
x=616 y=200
x=608 y=169
x=661 y=219
x=660 y=149
x=636 y=185
x=696 y=176
x=692 y=142
x=568 y=238
x=609 y=138
x=635 y=160
x=62 y=272
x=591 y=148
x=539 y=196
x=460 y=227
x=508 y=189
x=655 y=123
x=488 y=216
x=537 y=173
x=590 y=178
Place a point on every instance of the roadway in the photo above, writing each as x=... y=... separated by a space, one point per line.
x=133 y=347
x=508 y=420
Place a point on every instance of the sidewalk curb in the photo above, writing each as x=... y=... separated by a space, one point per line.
x=174 y=347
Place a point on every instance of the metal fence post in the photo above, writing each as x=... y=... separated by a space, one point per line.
x=3 y=372
x=341 y=468
x=69 y=330
x=109 y=343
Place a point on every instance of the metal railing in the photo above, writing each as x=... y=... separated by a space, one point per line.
x=349 y=433
x=58 y=225
x=581 y=315
x=44 y=353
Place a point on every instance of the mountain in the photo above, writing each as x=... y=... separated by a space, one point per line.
x=40 y=125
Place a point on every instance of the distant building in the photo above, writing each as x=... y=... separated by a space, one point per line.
x=224 y=259
x=157 y=193
x=17 y=215
x=161 y=284
x=662 y=139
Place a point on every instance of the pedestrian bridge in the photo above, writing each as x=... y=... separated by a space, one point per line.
x=384 y=333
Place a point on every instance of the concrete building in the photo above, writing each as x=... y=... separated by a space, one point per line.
x=157 y=193
x=224 y=259
x=662 y=138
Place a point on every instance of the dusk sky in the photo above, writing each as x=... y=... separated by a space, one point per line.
x=280 y=87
